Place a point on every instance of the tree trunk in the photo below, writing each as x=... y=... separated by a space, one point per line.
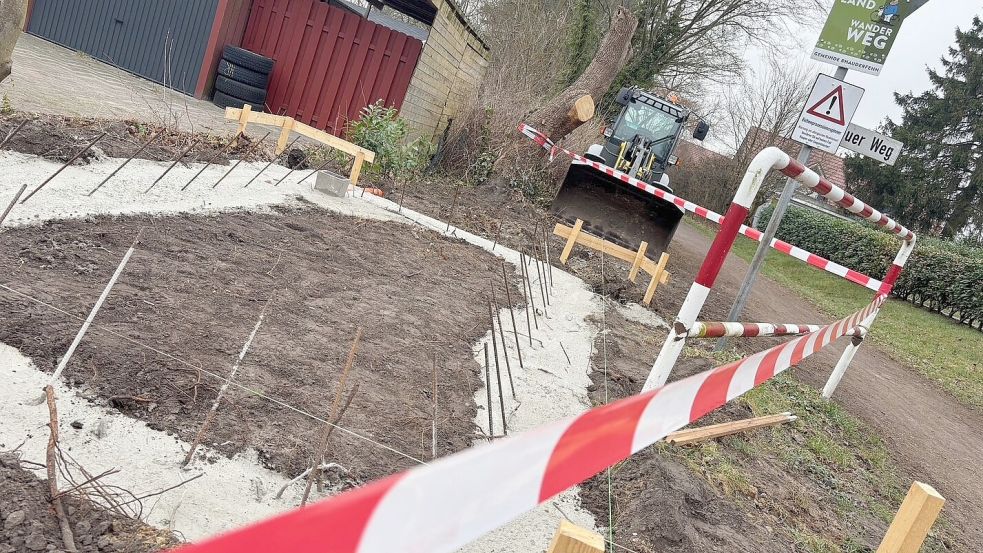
x=12 y=16
x=554 y=118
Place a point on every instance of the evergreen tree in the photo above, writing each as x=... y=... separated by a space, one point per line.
x=937 y=184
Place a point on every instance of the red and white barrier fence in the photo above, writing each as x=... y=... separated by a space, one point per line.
x=701 y=329
x=442 y=506
x=765 y=161
x=754 y=234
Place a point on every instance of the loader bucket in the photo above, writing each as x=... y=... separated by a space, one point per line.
x=616 y=211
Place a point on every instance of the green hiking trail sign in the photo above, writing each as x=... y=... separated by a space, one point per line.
x=859 y=33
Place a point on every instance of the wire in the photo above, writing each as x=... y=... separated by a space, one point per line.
x=244 y=388
x=604 y=357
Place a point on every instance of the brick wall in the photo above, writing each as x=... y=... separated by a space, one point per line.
x=451 y=67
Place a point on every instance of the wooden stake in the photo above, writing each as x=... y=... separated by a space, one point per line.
x=515 y=330
x=696 y=435
x=129 y=159
x=12 y=203
x=637 y=264
x=225 y=385
x=51 y=461
x=179 y=157
x=491 y=430
x=571 y=240
x=285 y=128
x=915 y=518
x=66 y=164
x=660 y=275
x=244 y=118
x=501 y=334
x=356 y=168
x=570 y=538
x=333 y=416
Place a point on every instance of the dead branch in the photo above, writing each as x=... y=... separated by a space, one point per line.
x=334 y=416
x=66 y=530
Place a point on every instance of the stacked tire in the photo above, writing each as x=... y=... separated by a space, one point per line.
x=242 y=78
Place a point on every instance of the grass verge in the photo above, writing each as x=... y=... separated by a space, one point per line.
x=826 y=479
x=946 y=352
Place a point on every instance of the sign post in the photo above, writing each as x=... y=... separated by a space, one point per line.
x=858 y=35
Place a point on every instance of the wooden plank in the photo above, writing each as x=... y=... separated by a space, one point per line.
x=915 y=518
x=639 y=258
x=281 y=143
x=659 y=275
x=356 y=167
x=571 y=240
x=244 y=118
x=257 y=117
x=334 y=141
x=696 y=435
x=596 y=243
x=570 y=538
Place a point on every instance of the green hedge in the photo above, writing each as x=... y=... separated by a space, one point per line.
x=943 y=276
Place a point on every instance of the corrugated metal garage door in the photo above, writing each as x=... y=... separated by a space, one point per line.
x=162 y=40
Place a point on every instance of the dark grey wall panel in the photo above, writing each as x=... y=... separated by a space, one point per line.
x=162 y=40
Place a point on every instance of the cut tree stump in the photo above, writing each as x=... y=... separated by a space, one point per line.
x=581 y=111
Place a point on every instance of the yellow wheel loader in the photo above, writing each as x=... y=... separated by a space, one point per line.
x=640 y=142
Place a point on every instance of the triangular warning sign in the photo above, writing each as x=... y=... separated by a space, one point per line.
x=830 y=107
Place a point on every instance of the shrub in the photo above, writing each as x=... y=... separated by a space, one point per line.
x=941 y=275
x=380 y=128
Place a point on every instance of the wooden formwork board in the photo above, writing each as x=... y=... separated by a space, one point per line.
x=703 y=433
x=576 y=235
x=246 y=115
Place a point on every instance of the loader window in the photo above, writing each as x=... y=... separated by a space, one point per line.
x=651 y=124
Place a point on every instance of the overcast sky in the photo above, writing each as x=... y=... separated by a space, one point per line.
x=924 y=38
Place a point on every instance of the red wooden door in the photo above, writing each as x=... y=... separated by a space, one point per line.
x=330 y=63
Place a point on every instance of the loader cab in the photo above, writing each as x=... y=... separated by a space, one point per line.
x=647 y=126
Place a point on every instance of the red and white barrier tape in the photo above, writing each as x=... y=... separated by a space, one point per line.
x=702 y=329
x=449 y=503
x=754 y=234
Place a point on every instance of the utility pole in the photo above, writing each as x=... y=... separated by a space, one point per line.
x=776 y=219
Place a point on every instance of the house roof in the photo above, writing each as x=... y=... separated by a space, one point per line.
x=690 y=153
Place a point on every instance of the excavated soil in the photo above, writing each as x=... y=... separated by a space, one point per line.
x=194 y=290
x=660 y=504
x=28 y=523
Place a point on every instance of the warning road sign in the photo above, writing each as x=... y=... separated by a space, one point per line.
x=827 y=113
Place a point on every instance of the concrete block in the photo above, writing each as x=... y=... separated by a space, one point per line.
x=331 y=184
